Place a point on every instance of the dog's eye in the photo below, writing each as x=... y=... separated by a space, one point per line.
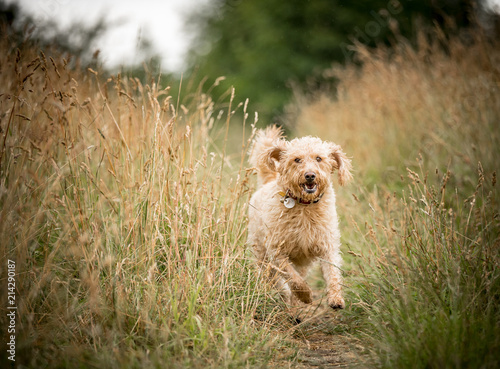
x=318 y=159
x=297 y=160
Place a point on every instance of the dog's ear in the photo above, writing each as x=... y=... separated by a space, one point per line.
x=274 y=154
x=341 y=163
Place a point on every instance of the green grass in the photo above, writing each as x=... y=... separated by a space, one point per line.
x=430 y=289
x=422 y=224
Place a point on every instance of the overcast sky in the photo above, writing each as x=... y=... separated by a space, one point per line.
x=162 y=22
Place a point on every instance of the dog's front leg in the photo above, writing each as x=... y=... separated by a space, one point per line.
x=330 y=266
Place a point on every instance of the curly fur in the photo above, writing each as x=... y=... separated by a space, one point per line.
x=291 y=239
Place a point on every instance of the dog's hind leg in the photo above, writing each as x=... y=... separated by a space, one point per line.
x=289 y=281
x=296 y=282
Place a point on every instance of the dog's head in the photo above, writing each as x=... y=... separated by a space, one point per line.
x=305 y=165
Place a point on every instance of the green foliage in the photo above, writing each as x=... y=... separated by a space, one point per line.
x=263 y=47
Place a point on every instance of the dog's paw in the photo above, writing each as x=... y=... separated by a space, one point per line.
x=302 y=292
x=336 y=302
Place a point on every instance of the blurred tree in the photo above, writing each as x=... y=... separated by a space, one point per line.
x=79 y=40
x=264 y=46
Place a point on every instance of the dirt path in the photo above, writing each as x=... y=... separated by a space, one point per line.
x=321 y=344
x=321 y=340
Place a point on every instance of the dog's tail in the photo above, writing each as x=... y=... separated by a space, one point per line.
x=264 y=141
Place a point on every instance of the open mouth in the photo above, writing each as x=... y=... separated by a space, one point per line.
x=310 y=187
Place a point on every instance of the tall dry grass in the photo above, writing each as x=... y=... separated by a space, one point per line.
x=430 y=289
x=125 y=215
x=125 y=211
x=422 y=227
x=439 y=99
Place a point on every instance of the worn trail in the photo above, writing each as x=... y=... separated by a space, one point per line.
x=321 y=340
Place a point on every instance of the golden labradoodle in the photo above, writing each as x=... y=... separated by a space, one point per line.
x=292 y=217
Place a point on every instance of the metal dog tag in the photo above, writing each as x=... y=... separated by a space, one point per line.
x=289 y=203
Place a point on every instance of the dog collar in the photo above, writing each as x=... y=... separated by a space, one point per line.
x=289 y=200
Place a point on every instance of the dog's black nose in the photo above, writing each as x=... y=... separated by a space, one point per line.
x=310 y=176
